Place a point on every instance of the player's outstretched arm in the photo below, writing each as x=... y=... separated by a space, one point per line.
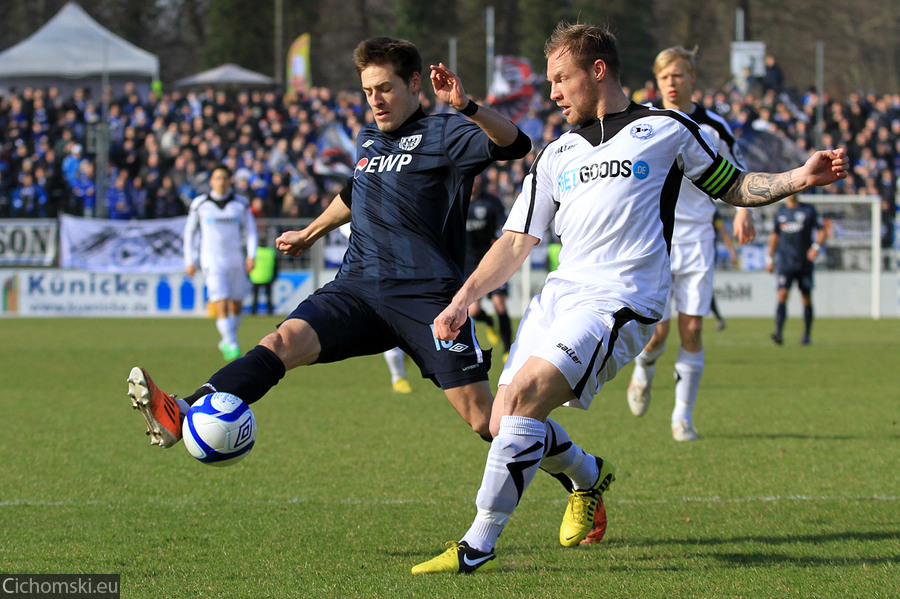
x=759 y=189
x=503 y=259
x=449 y=89
x=294 y=243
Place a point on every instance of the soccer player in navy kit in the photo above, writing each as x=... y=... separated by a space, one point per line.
x=792 y=251
x=406 y=202
x=609 y=189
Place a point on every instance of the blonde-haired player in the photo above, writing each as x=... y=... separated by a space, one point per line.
x=693 y=252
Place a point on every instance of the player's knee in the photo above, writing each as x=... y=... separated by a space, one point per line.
x=295 y=342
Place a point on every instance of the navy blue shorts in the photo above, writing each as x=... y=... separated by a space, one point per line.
x=803 y=276
x=361 y=317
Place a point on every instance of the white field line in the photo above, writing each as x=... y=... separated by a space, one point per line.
x=622 y=500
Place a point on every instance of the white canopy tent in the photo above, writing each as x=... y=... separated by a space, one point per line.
x=73 y=50
x=227 y=76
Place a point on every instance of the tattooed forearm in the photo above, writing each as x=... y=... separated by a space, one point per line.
x=760 y=189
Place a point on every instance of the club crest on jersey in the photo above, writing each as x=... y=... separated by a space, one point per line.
x=409 y=143
x=641 y=131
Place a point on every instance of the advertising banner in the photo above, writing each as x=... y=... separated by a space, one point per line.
x=28 y=242
x=48 y=292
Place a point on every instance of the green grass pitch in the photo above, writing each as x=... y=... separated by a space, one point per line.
x=793 y=490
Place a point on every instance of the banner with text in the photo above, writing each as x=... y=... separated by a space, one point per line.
x=99 y=245
x=28 y=242
x=55 y=292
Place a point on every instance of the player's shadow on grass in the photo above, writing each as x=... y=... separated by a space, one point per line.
x=798 y=436
x=814 y=539
x=742 y=559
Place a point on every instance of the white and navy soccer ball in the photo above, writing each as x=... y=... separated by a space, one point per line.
x=219 y=429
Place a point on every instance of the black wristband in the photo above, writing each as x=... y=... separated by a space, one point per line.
x=470 y=109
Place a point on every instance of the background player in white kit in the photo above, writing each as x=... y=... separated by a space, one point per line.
x=610 y=187
x=220 y=237
x=693 y=254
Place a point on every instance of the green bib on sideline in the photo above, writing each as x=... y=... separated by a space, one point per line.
x=264 y=267
x=553 y=256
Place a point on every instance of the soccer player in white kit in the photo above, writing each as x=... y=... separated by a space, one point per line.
x=693 y=255
x=609 y=187
x=220 y=237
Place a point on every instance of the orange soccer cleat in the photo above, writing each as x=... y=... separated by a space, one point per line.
x=159 y=409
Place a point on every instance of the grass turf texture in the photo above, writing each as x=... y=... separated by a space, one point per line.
x=792 y=492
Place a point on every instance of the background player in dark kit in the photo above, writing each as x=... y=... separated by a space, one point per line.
x=792 y=251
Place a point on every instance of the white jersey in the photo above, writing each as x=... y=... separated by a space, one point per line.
x=695 y=210
x=610 y=188
x=219 y=234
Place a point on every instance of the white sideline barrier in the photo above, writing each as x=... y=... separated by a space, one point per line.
x=752 y=294
x=56 y=292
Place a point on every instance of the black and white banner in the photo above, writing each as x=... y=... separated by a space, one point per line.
x=27 y=242
x=150 y=246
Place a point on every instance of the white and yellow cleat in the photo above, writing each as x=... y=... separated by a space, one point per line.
x=459 y=558
x=638 y=397
x=683 y=430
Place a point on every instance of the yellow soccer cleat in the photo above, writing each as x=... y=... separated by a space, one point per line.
x=493 y=337
x=402 y=386
x=579 y=517
x=459 y=558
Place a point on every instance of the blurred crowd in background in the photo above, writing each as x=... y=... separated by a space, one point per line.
x=292 y=156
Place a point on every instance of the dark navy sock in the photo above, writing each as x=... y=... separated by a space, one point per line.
x=249 y=377
x=780 y=316
x=505 y=329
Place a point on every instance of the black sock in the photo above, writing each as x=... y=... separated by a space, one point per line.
x=780 y=316
x=807 y=319
x=505 y=330
x=485 y=318
x=249 y=377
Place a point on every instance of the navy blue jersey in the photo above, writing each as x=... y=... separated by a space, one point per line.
x=794 y=227
x=483 y=225
x=409 y=195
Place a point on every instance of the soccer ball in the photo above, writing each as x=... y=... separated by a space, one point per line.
x=219 y=429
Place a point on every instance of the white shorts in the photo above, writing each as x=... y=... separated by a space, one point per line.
x=693 y=265
x=233 y=284
x=586 y=337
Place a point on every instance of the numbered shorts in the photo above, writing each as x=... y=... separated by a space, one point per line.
x=693 y=265
x=360 y=317
x=231 y=284
x=588 y=338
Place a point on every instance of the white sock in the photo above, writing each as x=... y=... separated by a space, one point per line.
x=645 y=365
x=512 y=462
x=233 y=322
x=688 y=372
x=395 y=360
x=561 y=455
x=223 y=328
x=183 y=407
